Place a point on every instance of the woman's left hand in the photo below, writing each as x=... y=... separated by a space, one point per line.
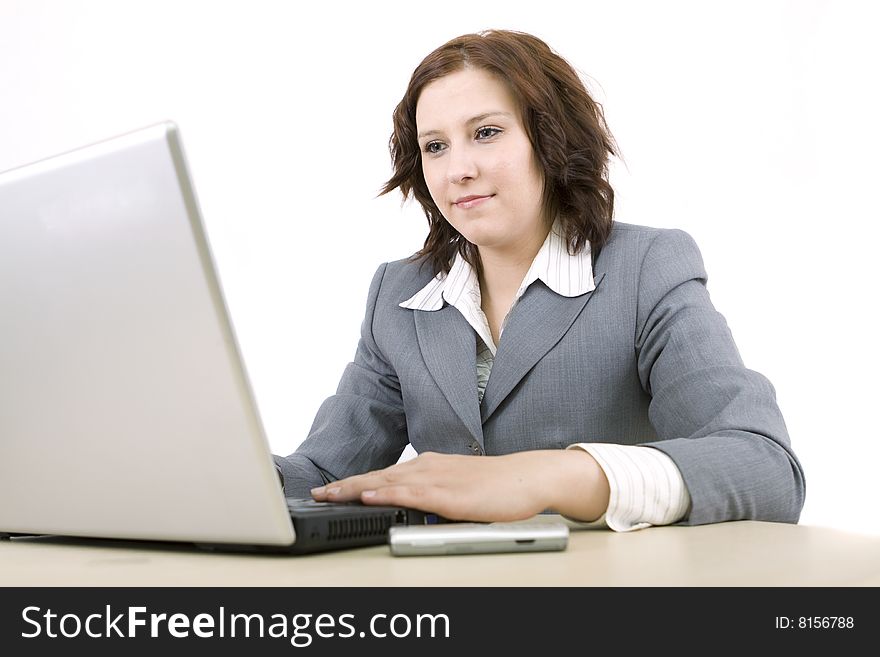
x=483 y=488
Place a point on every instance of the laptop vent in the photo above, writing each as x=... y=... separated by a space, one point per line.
x=349 y=528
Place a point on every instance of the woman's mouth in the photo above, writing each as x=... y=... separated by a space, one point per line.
x=467 y=202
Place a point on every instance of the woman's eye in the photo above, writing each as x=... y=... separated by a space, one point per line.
x=486 y=133
x=433 y=147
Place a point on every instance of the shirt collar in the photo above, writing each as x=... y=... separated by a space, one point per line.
x=567 y=275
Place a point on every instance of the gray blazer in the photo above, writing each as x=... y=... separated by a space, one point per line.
x=643 y=359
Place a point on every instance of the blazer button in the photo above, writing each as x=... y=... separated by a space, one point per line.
x=475 y=447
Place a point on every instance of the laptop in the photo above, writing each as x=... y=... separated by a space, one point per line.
x=125 y=407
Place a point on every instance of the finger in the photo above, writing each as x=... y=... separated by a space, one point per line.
x=430 y=499
x=337 y=491
x=425 y=468
x=350 y=488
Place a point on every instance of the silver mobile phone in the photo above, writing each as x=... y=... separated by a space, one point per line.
x=476 y=538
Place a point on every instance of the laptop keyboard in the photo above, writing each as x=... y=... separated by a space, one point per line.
x=299 y=502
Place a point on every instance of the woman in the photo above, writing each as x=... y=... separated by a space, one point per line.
x=536 y=354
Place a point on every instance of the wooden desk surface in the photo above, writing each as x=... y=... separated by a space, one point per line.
x=726 y=554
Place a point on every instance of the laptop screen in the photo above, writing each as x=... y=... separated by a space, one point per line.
x=127 y=411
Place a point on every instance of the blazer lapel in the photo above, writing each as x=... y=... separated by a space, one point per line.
x=538 y=321
x=449 y=347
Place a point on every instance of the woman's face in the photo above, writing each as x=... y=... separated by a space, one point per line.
x=478 y=162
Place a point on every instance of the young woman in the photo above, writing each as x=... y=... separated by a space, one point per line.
x=536 y=354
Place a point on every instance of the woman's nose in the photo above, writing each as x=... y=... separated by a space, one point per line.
x=461 y=166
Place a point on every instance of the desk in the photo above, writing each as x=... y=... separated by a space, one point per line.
x=725 y=554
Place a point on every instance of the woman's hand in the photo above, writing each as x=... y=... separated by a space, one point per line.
x=483 y=488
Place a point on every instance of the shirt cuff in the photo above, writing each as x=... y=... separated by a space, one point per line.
x=646 y=486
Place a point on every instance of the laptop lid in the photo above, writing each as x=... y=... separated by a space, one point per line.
x=125 y=410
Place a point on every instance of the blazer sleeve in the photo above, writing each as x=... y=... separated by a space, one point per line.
x=717 y=420
x=360 y=428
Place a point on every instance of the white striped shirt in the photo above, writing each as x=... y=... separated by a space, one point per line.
x=646 y=485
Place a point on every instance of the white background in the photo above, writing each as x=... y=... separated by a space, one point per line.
x=752 y=125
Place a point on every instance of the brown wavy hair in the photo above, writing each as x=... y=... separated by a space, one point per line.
x=566 y=127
